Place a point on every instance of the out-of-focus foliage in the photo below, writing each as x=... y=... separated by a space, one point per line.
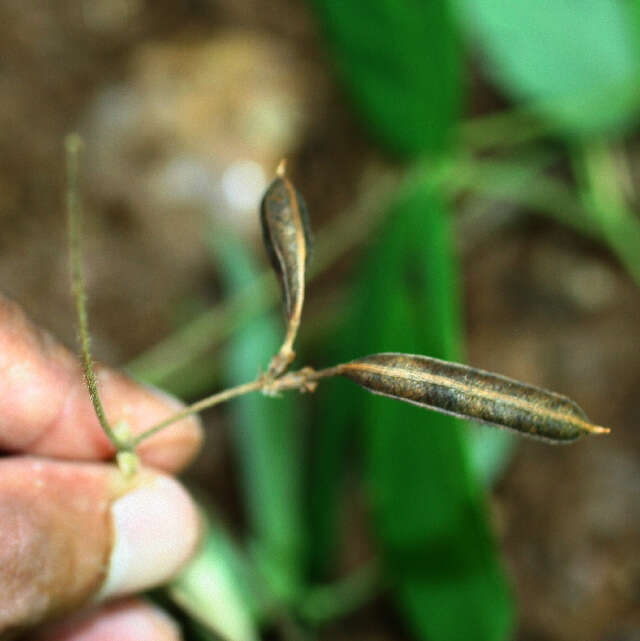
x=572 y=70
x=576 y=63
x=602 y=194
x=426 y=501
x=400 y=62
x=214 y=588
x=268 y=437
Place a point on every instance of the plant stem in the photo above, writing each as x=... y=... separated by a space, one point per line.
x=210 y=401
x=602 y=192
x=524 y=185
x=73 y=144
x=172 y=354
x=503 y=128
x=303 y=380
x=333 y=601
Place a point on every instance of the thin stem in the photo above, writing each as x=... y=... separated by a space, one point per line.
x=171 y=355
x=159 y=364
x=73 y=144
x=333 y=601
x=504 y=128
x=303 y=380
x=604 y=199
x=524 y=185
x=210 y=401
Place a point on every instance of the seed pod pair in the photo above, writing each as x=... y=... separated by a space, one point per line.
x=472 y=394
x=286 y=235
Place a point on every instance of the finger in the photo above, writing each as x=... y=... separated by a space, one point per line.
x=45 y=407
x=130 y=620
x=77 y=532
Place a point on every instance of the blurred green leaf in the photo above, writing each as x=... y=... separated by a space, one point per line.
x=400 y=62
x=214 y=588
x=576 y=62
x=327 y=602
x=266 y=432
x=427 y=505
x=599 y=210
x=339 y=409
x=490 y=451
x=600 y=170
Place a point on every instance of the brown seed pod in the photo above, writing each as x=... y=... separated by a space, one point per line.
x=472 y=394
x=285 y=231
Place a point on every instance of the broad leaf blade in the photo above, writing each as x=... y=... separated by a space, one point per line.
x=576 y=62
x=427 y=505
x=338 y=411
x=400 y=63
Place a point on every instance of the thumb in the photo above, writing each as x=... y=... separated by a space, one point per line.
x=72 y=534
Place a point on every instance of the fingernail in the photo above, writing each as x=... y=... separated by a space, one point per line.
x=156 y=529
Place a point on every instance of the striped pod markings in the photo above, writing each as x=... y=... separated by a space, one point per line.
x=471 y=393
x=286 y=235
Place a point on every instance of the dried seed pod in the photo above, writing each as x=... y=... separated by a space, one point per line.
x=285 y=230
x=471 y=393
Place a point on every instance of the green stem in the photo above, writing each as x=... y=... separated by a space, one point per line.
x=523 y=185
x=329 y=602
x=73 y=144
x=504 y=128
x=602 y=192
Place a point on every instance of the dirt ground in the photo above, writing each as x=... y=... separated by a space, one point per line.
x=159 y=91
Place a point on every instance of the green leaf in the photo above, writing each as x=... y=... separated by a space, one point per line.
x=427 y=505
x=214 y=588
x=577 y=62
x=266 y=432
x=600 y=171
x=338 y=411
x=490 y=451
x=400 y=63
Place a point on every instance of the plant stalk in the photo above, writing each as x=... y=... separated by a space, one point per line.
x=303 y=380
x=73 y=145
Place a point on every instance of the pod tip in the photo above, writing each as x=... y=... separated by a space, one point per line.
x=598 y=429
x=282 y=168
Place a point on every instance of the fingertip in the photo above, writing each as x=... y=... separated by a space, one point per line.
x=156 y=529
x=131 y=620
x=45 y=407
x=73 y=534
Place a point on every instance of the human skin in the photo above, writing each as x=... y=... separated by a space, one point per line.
x=77 y=539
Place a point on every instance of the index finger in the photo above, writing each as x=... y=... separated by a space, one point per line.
x=45 y=407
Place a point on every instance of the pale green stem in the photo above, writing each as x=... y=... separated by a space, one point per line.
x=504 y=128
x=210 y=401
x=603 y=194
x=335 y=600
x=293 y=380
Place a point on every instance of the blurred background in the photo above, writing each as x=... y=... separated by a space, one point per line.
x=470 y=168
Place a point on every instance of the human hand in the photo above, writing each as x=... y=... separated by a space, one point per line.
x=75 y=533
